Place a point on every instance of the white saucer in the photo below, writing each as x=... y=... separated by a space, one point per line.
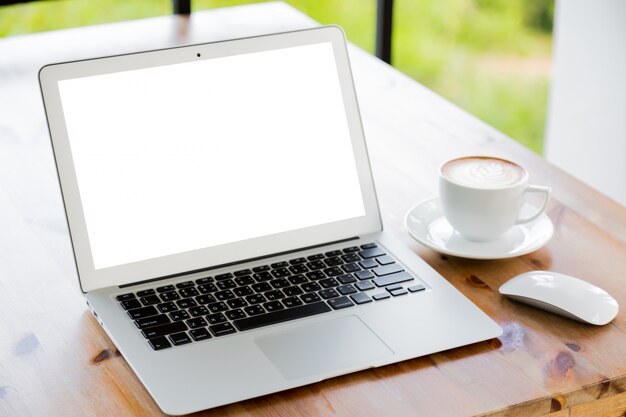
x=426 y=224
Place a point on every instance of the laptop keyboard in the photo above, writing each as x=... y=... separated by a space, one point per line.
x=214 y=306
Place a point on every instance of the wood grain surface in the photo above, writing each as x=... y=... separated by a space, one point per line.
x=56 y=360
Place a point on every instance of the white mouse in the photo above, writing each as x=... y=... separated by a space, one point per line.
x=564 y=295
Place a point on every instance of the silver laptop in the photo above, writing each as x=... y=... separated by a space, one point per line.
x=225 y=225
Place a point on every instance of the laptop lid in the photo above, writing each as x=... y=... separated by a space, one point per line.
x=181 y=159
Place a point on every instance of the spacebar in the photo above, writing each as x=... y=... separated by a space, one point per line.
x=281 y=316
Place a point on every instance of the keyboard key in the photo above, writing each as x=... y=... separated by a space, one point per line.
x=222 y=329
x=292 y=302
x=351 y=268
x=273 y=306
x=143 y=293
x=222 y=277
x=385 y=260
x=261 y=287
x=315 y=257
x=235 y=314
x=168 y=296
x=130 y=304
x=263 y=276
x=392 y=279
x=280 y=283
x=196 y=323
x=139 y=313
x=216 y=318
x=330 y=293
x=274 y=295
x=164 y=329
x=346 y=279
x=315 y=275
x=341 y=302
x=165 y=288
x=158 y=343
x=316 y=265
x=398 y=291
x=329 y=283
x=243 y=291
x=381 y=296
x=351 y=258
x=333 y=262
x=243 y=272
x=310 y=298
x=280 y=273
x=254 y=310
x=217 y=307
x=227 y=284
x=207 y=288
x=236 y=303
x=387 y=270
x=393 y=287
x=369 y=246
x=125 y=297
x=200 y=334
x=256 y=298
x=149 y=300
x=297 y=261
x=188 y=292
x=365 y=285
x=167 y=307
x=203 y=281
x=278 y=265
x=310 y=287
x=298 y=279
x=291 y=291
x=298 y=269
x=282 y=316
x=333 y=272
x=186 y=303
x=371 y=253
x=333 y=253
x=351 y=249
x=205 y=299
x=198 y=311
x=261 y=268
x=185 y=284
x=416 y=288
x=245 y=280
x=361 y=298
x=346 y=289
x=152 y=321
x=224 y=295
x=363 y=275
x=179 y=315
x=180 y=339
x=368 y=263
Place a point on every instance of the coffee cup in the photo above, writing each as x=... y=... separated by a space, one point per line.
x=482 y=196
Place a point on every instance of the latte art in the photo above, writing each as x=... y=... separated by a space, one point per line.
x=483 y=172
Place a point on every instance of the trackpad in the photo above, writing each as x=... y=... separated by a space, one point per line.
x=322 y=347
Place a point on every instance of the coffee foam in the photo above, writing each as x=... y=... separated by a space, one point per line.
x=483 y=172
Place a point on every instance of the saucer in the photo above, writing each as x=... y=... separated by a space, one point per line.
x=426 y=224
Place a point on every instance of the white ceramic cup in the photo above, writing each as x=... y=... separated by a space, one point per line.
x=480 y=209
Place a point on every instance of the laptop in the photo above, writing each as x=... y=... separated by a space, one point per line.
x=224 y=220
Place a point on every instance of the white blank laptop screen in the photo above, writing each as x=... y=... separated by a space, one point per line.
x=181 y=157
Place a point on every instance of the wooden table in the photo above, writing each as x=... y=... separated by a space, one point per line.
x=55 y=359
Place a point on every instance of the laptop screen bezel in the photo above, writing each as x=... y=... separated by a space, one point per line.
x=90 y=278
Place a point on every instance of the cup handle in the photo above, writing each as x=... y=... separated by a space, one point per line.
x=536 y=189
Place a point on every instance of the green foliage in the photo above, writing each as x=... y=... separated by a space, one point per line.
x=485 y=55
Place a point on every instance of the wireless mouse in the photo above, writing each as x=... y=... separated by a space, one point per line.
x=563 y=295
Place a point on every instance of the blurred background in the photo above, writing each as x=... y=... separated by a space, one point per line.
x=490 y=57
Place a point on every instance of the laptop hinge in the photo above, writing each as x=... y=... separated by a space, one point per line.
x=235 y=263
